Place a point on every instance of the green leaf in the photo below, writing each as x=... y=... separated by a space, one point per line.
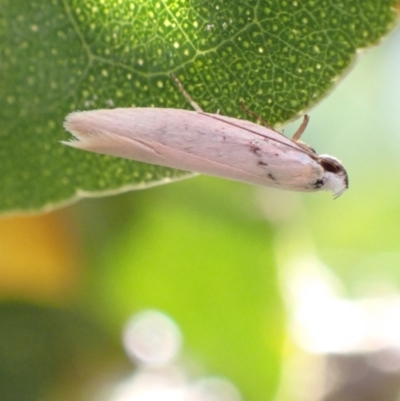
x=40 y=346
x=56 y=56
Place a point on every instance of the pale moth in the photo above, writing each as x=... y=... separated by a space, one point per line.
x=207 y=143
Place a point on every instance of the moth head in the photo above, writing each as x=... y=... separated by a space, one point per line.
x=335 y=176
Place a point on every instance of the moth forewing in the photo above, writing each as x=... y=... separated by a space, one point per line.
x=206 y=143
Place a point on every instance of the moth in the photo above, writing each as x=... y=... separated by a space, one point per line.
x=207 y=143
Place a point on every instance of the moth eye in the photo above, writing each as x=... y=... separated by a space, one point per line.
x=331 y=166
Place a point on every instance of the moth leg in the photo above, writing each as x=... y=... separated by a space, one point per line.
x=297 y=135
x=187 y=96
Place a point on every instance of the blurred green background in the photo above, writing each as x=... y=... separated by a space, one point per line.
x=228 y=263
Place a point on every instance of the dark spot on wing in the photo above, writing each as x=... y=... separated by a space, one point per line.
x=261 y=163
x=271 y=177
x=254 y=148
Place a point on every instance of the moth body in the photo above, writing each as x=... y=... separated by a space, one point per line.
x=206 y=143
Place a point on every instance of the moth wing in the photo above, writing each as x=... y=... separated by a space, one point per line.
x=204 y=143
x=156 y=153
x=283 y=162
x=108 y=143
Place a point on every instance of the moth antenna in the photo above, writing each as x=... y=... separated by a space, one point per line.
x=256 y=116
x=297 y=135
x=339 y=193
x=187 y=96
x=299 y=146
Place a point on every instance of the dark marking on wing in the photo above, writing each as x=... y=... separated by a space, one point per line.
x=271 y=177
x=254 y=148
x=261 y=163
x=292 y=145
